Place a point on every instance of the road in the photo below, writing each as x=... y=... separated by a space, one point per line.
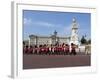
x=52 y=61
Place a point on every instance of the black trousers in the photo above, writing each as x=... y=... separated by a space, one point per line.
x=73 y=52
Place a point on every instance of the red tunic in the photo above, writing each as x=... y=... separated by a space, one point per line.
x=73 y=47
x=30 y=50
x=26 y=50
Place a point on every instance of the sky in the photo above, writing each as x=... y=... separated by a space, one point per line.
x=44 y=23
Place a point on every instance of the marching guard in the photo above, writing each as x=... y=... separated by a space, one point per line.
x=73 y=51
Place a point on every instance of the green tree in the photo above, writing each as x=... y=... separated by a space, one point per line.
x=83 y=40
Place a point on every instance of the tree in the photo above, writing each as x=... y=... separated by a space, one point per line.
x=83 y=40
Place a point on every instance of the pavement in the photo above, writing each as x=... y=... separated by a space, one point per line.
x=32 y=61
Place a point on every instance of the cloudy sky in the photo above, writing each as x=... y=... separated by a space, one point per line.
x=46 y=22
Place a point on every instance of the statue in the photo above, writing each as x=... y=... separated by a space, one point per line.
x=74 y=32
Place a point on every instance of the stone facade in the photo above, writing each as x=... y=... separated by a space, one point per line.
x=54 y=39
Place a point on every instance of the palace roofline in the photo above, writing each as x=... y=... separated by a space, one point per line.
x=41 y=36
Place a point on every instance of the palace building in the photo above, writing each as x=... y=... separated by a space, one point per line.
x=55 y=38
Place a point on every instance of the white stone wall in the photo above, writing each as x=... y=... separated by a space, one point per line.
x=43 y=40
x=63 y=40
x=47 y=40
x=32 y=41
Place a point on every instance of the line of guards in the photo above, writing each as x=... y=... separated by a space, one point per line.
x=62 y=49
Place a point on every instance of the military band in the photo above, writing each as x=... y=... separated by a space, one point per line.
x=62 y=49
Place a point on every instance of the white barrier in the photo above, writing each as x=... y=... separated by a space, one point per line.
x=84 y=49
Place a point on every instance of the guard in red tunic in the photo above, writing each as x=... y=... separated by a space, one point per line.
x=64 y=50
x=67 y=49
x=35 y=50
x=40 y=50
x=26 y=49
x=73 y=51
x=30 y=50
x=61 y=50
x=55 y=50
x=47 y=50
x=52 y=50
